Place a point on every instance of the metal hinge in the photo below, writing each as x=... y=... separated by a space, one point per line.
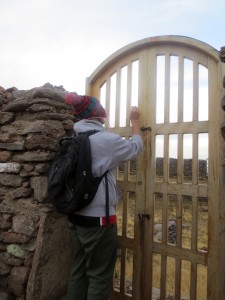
x=142 y=216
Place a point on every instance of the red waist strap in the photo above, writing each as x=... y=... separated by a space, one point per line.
x=112 y=220
x=91 y=221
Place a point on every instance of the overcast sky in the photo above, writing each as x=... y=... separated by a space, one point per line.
x=64 y=41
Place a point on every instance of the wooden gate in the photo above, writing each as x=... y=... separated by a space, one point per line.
x=171 y=219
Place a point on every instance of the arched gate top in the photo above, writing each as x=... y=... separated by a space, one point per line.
x=154 y=41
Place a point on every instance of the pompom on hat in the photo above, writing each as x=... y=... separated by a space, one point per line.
x=85 y=107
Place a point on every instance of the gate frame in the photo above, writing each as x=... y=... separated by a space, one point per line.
x=216 y=256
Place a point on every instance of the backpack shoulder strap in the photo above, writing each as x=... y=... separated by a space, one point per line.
x=88 y=133
x=106 y=198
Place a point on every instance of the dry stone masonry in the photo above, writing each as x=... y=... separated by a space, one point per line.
x=35 y=246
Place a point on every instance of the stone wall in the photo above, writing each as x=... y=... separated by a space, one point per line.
x=202 y=168
x=35 y=245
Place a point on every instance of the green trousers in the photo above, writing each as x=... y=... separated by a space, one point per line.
x=94 y=261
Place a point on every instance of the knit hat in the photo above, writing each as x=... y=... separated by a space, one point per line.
x=85 y=107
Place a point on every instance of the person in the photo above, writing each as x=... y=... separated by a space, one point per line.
x=95 y=241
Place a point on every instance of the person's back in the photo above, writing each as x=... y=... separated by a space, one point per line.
x=95 y=240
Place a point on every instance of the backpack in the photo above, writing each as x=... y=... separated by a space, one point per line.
x=71 y=184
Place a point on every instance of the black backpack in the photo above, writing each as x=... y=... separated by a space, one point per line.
x=71 y=184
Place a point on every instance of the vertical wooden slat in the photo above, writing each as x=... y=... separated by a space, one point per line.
x=164 y=218
x=193 y=286
x=194 y=231
x=124 y=227
x=195 y=159
x=122 y=279
x=126 y=171
x=128 y=100
x=178 y=280
x=163 y=278
x=216 y=184
x=107 y=103
x=179 y=221
x=118 y=97
x=147 y=91
x=180 y=161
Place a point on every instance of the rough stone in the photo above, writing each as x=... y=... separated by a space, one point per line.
x=222 y=127
x=62 y=116
x=34 y=156
x=6 y=209
x=25 y=173
x=4 y=269
x=12 y=146
x=47 y=85
x=28 y=167
x=16 y=250
x=20 y=93
x=25 y=224
x=172 y=231
x=42 y=168
x=20 y=274
x=28 y=260
x=222 y=54
x=20 y=192
x=11 y=89
x=25 y=202
x=5 y=156
x=3 y=247
x=51 y=266
x=17 y=106
x=158 y=232
x=3 y=284
x=17 y=280
x=12 y=237
x=22 y=105
x=10 y=180
x=3 y=192
x=39 y=108
x=50 y=93
x=10 y=167
x=39 y=184
x=10 y=260
x=5 y=221
x=26 y=184
x=41 y=141
x=223 y=103
x=10 y=138
x=51 y=128
x=2 y=90
x=30 y=245
x=6 y=117
x=68 y=126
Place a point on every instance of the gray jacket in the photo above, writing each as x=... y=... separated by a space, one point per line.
x=108 y=151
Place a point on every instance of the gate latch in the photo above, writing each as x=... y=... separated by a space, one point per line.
x=142 y=216
x=143 y=128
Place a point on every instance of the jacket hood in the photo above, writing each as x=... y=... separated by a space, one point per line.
x=87 y=125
